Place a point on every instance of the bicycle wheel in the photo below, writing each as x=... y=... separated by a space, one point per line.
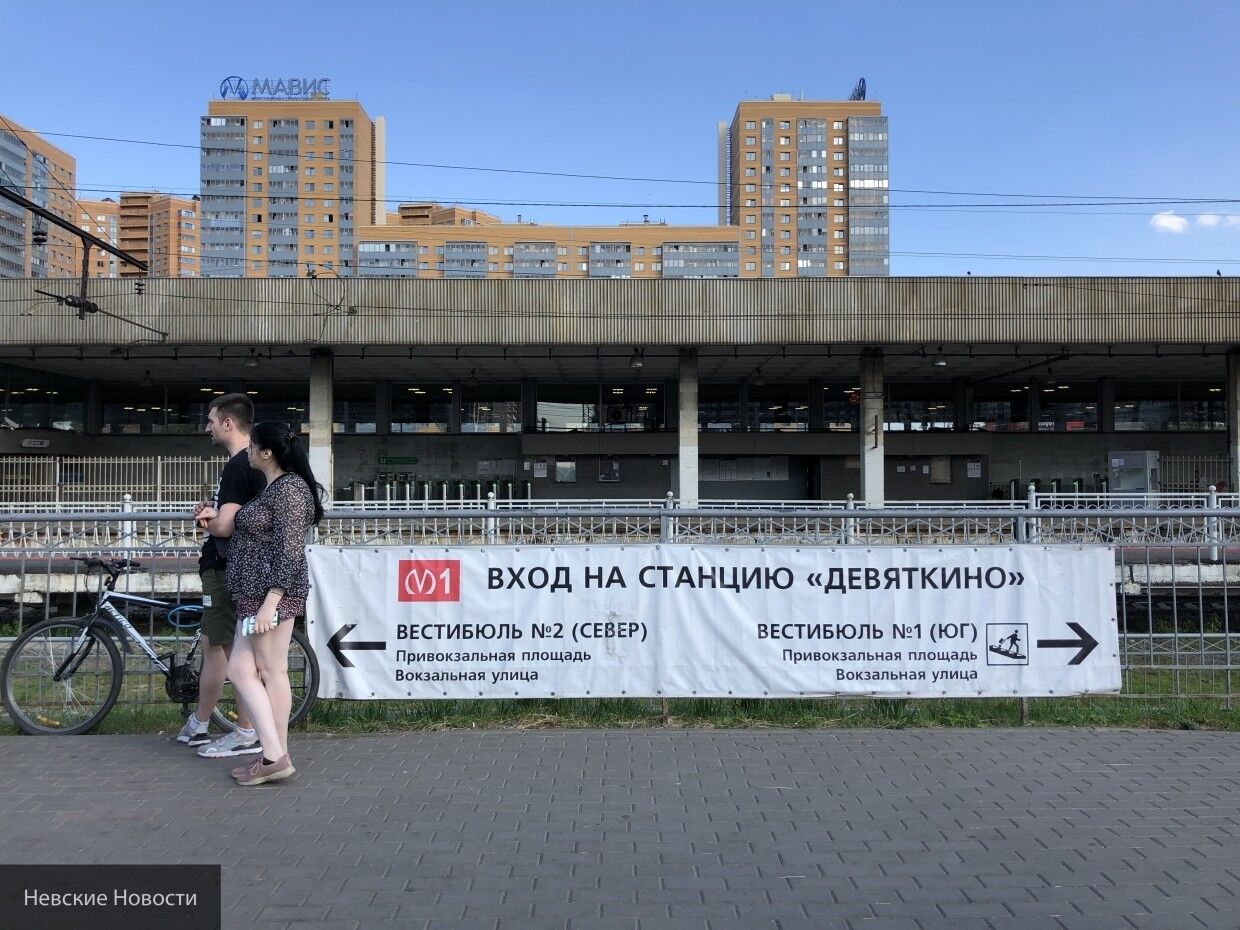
x=90 y=679
x=303 y=678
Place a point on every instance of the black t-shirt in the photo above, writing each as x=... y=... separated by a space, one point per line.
x=238 y=484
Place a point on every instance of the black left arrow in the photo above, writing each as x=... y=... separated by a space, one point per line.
x=1085 y=644
x=337 y=645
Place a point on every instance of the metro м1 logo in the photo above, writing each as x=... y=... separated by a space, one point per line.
x=429 y=580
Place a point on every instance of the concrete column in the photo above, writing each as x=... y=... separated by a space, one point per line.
x=872 y=465
x=962 y=405
x=92 y=421
x=529 y=406
x=687 y=428
x=1232 y=393
x=1106 y=405
x=322 y=367
x=383 y=408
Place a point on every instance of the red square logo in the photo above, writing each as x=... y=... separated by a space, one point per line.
x=429 y=580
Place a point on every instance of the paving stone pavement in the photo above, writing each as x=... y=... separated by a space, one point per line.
x=1034 y=829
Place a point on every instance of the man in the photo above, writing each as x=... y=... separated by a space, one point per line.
x=229 y=419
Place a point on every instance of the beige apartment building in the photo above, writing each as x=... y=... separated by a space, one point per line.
x=163 y=231
x=418 y=241
x=31 y=247
x=807 y=183
x=286 y=184
x=100 y=218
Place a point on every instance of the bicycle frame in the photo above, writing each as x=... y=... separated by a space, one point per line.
x=117 y=623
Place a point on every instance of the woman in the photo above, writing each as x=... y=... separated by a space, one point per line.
x=269 y=582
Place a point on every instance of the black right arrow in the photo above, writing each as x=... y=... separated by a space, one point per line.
x=336 y=645
x=1085 y=644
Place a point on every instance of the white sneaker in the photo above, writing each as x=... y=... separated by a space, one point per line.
x=193 y=733
x=231 y=744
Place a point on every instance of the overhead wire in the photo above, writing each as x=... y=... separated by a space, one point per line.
x=1103 y=199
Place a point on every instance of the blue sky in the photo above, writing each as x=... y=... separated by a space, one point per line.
x=1063 y=100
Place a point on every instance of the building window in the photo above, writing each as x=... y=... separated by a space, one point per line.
x=751 y=266
x=839 y=266
x=639 y=266
x=750 y=124
x=583 y=266
x=838 y=124
x=421 y=408
x=656 y=266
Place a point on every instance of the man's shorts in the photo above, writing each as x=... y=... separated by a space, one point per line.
x=219 y=623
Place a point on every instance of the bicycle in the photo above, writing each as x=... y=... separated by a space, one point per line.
x=50 y=685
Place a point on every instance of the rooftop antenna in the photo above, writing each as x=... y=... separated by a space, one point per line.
x=858 y=91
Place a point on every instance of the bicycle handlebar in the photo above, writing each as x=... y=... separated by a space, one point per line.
x=114 y=567
x=119 y=564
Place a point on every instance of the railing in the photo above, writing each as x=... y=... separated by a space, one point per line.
x=66 y=479
x=138 y=529
x=1177 y=571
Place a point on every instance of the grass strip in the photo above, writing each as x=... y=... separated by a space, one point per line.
x=357 y=717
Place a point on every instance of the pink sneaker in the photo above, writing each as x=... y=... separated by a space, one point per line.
x=242 y=770
x=260 y=774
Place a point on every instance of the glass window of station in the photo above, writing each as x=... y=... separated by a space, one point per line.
x=34 y=400
x=354 y=408
x=490 y=408
x=181 y=409
x=1170 y=406
x=915 y=407
x=1060 y=406
x=421 y=407
x=572 y=408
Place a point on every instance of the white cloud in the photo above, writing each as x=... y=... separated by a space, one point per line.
x=1233 y=220
x=1209 y=219
x=1168 y=221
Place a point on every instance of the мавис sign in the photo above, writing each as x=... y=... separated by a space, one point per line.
x=275 y=89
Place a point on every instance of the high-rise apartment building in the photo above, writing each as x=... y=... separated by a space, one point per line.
x=163 y=231
x=807 y=183
x=285 y=184
x=31 y=247
x=100 y=218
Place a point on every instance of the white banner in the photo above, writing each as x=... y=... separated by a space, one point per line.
x=713 y=621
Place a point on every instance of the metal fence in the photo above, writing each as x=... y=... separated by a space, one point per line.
x=1177 y=570
x=66 y=480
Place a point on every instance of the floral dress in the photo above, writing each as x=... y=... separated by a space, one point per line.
x=268 y=548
